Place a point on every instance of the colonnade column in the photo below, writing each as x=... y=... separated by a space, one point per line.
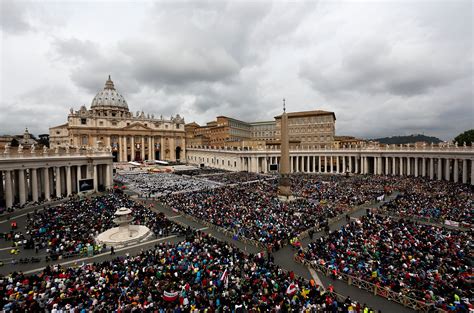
x=58 y=182
x=344 y=164
x=447 y=175
x=394 y=166
x=472 y=172
x=337 y=164
x=319 y=163
x=34 y=184
x=380 y=170
x=408 y=166
x=21 y=186
x=8 y=189
x=402 y=170
x=366 y=165
x=297 y=163
x=356 y=165
x=386 y=172
x=464 y=171
x=325 y=164
x=440 y=168
x=291 y=165
x=423 y=164
x=68 y=181
x=142 y=149
x=456 y=171
x=331 y=165
x=47 y=192
x=431 y=168
x=350 y=164
x=314 y=164
x=416 y=167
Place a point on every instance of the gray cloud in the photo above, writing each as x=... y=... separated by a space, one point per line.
x=385 y=68
x=13 y=16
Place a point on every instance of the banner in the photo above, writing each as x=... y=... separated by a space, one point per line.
x=451 y=223
x=170 y=296
x=380 y=198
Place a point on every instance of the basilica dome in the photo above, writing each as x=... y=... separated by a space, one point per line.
x=109 y=98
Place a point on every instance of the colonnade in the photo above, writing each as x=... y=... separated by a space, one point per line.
x=35 y=177
x=456 y=165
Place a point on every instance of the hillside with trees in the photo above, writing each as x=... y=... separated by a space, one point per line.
x=397 y=140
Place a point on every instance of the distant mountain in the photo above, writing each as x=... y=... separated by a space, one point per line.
x=397 y=140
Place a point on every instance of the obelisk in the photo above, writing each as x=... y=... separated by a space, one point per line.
x=284 y=186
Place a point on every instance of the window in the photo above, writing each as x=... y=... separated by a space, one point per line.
x=84 y=140
x=101 y=123
x=83 y=121
x=58 y=132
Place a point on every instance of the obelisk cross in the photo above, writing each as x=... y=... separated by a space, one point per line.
x=284 y=109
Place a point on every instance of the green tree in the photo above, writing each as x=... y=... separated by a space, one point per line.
x=466 y=137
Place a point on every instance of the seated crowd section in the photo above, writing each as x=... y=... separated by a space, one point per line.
x=199 y=274
x=424 y=262
x=70 y=227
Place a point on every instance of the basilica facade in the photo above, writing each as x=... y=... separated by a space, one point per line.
x=131 y=137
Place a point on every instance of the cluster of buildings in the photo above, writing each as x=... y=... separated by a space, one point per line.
x=83 y=149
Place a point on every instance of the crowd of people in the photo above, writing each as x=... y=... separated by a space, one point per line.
x=160 y=184
x=435 y=200
x=72 y=226
x=199 y=274
x=200 y=171
x=424 y=262
x=255 y=212
x=236 y=177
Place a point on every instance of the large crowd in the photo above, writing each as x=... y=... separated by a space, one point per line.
x=237 y=177
x=72 y=226
x=437 y=201
x=200 y=274
x=161 y=184
x=255 y=212
x=424 y=262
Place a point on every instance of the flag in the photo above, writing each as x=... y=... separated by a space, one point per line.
x=225 y=278
x=291 y=290
x=170 y=296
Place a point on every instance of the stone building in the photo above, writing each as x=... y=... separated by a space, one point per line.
x=305 y=128
x=132 y=137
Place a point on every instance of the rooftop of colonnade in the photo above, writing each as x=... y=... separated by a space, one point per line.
x=14 y=153
x=446 y=148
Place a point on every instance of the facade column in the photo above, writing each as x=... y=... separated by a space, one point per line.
x=308 y=167
x=58 y=182
x=423 y=164
x=96 y=183
x=291 y=165
x=447 y=169
x=464 y=171
x=108 y=176
x=142 y=149
x=264 y=165
x=344 y=169
x=297 y=163
x=431 y=168
x=350 y=163
x=456 y=170
x=47 y=191
x=337 y=164
x=150 y=148
x=314 y=164
x=394 y=166
x=440 y=169
x=416 y=166
x=366 y=165
x=8 y=189
x=331 y=165
x=132 y=147
x=319 y=163
x=34 y=184
x=356 y=165
x=68 y=181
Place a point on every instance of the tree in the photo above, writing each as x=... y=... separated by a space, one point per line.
x=466 y=137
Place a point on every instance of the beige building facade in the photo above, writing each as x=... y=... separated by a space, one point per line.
x=131 y=137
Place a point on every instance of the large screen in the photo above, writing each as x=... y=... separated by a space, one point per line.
x=273 y=167
x=86 y=184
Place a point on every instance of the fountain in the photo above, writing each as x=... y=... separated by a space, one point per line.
x=124 y=234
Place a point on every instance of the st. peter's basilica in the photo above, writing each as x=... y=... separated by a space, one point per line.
x=132 y=137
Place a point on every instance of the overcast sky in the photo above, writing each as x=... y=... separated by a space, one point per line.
x=384 y=67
